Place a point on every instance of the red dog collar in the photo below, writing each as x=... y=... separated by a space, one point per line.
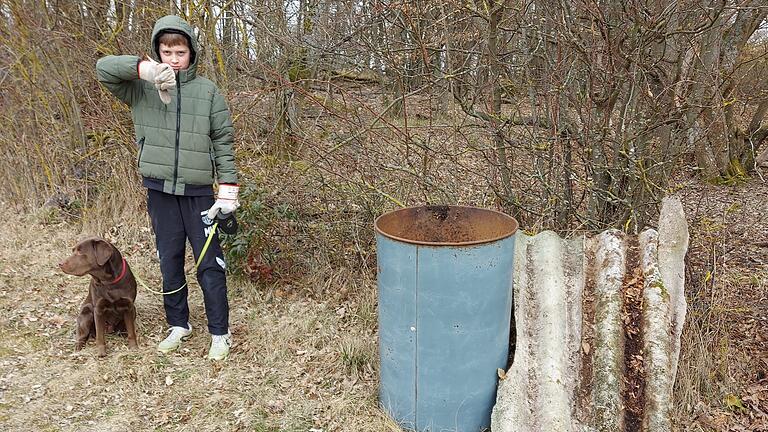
x=122 y=273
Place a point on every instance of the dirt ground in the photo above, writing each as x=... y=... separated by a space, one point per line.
x=297 y=365
x=301 y=364
x=722 y=380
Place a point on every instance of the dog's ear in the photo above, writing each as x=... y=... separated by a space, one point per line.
x=102 y=251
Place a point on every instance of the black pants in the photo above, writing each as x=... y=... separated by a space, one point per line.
x=174 y=220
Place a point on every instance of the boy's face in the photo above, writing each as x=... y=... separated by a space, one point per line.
x=177 y=56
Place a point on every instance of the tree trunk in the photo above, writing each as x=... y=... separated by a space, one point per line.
x=397 y=73
x=228 y=34
x=495 y=17
x=97 y=19
x=724 y=152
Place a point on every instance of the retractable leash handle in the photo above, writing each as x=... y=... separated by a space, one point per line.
x=197 y=264
x=227 y=223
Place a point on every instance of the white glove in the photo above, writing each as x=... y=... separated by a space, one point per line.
x=159 y=74
x=226 y=201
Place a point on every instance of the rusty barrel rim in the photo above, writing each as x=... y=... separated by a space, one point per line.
x=494 y=225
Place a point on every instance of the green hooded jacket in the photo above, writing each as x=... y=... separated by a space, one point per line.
x=183 y=146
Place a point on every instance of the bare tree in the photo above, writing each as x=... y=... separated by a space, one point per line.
x=577 y=111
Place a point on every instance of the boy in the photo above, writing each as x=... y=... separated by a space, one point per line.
x=184 y=135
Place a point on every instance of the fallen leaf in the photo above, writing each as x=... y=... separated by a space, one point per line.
x=734 y=403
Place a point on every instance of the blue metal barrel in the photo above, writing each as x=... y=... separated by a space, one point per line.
x=445 y=299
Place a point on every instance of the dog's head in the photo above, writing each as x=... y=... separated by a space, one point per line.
x=88 y=255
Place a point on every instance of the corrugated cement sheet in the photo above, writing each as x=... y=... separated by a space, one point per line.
x=598 y=323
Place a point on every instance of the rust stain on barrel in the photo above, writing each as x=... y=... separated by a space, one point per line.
x=443 y=225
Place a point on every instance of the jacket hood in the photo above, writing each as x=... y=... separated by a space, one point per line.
x=176 y=24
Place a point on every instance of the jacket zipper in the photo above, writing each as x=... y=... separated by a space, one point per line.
x=178 y=131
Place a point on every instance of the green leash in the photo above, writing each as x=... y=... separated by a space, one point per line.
x=197 y=264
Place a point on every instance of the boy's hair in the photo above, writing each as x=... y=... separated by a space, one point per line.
x=173 y=39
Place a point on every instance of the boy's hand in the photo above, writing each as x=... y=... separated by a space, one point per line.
x=154 y=72
x=159 y=74
x=162 y=89
x=226 y=201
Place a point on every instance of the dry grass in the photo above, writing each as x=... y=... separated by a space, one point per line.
x=297 y=363
x=722 y=379
x=305 y=354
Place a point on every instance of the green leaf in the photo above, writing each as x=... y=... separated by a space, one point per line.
x=734 y=403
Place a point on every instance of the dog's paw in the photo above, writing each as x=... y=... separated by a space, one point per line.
x=102 y=351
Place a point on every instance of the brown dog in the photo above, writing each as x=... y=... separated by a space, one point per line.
x=109 y=306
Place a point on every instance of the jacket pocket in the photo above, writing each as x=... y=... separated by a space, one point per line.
x=212 y=156
x=213 y=166
x=140 y=144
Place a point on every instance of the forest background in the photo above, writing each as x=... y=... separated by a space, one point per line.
x=571 y=115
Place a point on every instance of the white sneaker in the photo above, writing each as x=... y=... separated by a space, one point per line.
x=220 y=346
x=174 y=339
